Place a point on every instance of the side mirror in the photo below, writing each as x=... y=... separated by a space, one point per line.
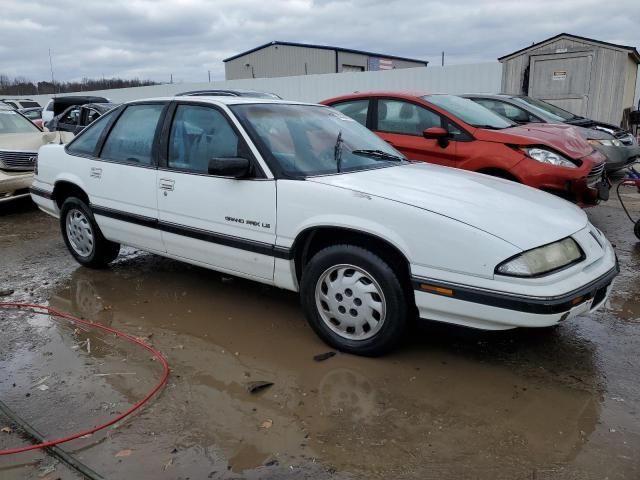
x=435 y=132
x=234 y=167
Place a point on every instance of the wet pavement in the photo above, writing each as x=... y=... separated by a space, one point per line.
x=561 y=403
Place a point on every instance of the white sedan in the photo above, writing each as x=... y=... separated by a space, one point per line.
x=304 y=198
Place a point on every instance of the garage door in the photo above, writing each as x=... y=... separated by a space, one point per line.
x=562 y=79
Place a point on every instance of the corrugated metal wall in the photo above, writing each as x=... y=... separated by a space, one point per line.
x=478 y=78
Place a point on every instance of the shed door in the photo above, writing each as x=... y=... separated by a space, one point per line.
x=562 y=79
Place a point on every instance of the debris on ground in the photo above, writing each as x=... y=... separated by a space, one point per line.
x=4 y=292
x=43 y=387
x=253 y=387
x=268 y=423
x=321 y=357
x=6 y=430
x=123 y=453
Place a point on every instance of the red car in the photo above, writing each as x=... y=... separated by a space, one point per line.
x=457 y=132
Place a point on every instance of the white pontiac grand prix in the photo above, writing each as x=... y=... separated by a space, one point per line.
x=304 y=198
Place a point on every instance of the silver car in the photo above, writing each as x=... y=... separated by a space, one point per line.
x=619 y=146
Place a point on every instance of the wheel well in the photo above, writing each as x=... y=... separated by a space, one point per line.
x=64 y=190
x=498 y=172
x=311 y=241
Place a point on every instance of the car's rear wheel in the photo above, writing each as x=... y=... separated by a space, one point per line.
x=353 y=300
x=83 y=237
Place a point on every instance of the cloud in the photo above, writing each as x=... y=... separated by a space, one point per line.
x=186 y=38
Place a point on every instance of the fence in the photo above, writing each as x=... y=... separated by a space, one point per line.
x=478 y=78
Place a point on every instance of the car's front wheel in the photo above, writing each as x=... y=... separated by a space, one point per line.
x=83 y=237
x=353 y=300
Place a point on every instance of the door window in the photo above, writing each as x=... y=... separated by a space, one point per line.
x=71 y=116
x=396 y=116
x=199 y=134
x=92 y=116
x=357 y=110
x=131 y=139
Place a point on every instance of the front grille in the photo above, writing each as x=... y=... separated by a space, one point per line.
x=595 y=175
x=18 y=161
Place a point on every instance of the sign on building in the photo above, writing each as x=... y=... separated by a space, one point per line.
x=376 y=63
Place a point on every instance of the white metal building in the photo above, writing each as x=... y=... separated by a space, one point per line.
x=286 y=59
x=588 y=77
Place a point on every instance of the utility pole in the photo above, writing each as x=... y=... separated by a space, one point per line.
x=53 y=82
x=443 y=59
x=209 y=72
x=171 y=79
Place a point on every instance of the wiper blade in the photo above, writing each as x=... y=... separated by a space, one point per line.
x=337 y=152
x=377 y=154
x=491 y=127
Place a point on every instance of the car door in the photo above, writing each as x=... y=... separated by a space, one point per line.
x=401 y=123
x=122 y=181
x=221 y=222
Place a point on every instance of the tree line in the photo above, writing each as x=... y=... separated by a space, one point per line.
x=21 y=86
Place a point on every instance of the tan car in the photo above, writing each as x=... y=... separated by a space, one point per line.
x=20 y=141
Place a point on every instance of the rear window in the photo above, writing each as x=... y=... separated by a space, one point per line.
x=29 y=103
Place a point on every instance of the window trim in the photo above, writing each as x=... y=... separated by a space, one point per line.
x=466 y=136
x=154 y=145
x=165 y=134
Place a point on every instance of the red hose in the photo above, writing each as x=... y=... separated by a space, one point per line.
x=156 y=354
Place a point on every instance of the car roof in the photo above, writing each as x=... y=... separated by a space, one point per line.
x=223 y=99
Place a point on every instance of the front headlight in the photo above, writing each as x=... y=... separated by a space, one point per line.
x=542 y=260
x=606 y=143
x=547 y=156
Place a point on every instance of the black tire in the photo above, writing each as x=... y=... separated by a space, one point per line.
x=102 y=251
x=636 y=229
x=391 y=329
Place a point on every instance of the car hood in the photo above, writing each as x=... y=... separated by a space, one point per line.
x=566 y=139
x=32 y=141
x=523 y=216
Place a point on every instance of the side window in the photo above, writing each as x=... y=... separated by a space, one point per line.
x=92 y=116
x=85 y=143
x=71 y=116
x=357 y=110
x=403 y=117
x=131 y=138
x=49 y=107
x=199 y=134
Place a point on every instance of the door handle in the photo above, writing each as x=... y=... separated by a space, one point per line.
x=96 y=172
x=166 y=184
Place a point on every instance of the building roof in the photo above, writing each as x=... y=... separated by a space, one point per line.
x=632 y=50
x=326 y=47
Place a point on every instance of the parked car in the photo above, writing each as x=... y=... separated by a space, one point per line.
x=302 y=197
x=34 y=114
x=75 y=118
x=57 y=105
x=20 y=140
x=619 y=146
x=457 y=132
x=18 y=103
x=226 y=92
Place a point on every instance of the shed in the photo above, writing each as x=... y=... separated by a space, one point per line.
x=588 y=77
x=285 y=59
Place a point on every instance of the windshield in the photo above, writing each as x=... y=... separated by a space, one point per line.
x=306 y=140
x=470 y=112
x=13 y=122
x=547 y=109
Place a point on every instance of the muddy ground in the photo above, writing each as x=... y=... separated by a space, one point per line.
x=451 y=403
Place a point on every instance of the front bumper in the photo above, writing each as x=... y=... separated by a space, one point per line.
x=14 y=185
x=490 y=310
x=501 y=302
x=619 y=157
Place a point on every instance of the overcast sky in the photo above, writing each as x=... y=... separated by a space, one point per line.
x=152 y=39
